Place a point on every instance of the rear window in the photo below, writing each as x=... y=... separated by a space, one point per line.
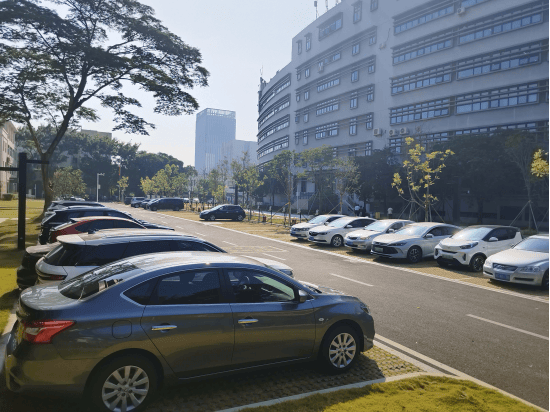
x=64 y=255
x=102 y=254
x=142 y=248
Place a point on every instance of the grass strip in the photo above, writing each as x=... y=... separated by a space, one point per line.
x=424 y=393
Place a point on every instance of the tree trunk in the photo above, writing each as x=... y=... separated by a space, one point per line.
x=48 y=189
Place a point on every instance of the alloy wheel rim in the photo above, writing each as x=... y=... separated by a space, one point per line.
x=341 y=351
x=478 y=263
x=125 y=389
x=414 y=253
x=337 y=241
x=212 y=217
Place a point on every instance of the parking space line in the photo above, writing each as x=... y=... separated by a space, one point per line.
x=351 y=280
x=200 y=234
x=276 y=257
x=509 y=327
x=229 y=243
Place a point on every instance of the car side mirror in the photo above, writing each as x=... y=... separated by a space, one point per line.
x=429 y=236
x=348 y=226
x=302 y=296
x=493 y=239
x=326 y=223
x=391 y=230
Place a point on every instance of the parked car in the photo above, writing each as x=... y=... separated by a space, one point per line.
x=26 y=272
x=145 y=202
x=413 y=242
x=333 y=233
x=127 y=200
x=362 y=239
x=300 y=230
x=166 y=203
x=92 y=224
x=472 y=246
x=136 y=201
x=233 y=212
x=185 y=200
x=526 y=263
x=62 y=204
x=195 y=312
x=65 y=215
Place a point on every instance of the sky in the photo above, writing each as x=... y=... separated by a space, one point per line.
x=237 y=39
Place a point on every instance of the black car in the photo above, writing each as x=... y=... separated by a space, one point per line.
x=60 y=204
x=127 y=200
x=26 y=272
x=136 y=201
x=167 y=203
x=65 y=215
x=145 y=202
x=233 y=212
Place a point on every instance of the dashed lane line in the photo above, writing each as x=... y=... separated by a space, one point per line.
x=200 y=234
x=229 y=243
x=276 y=257
x=351 y=280
x=509 y=327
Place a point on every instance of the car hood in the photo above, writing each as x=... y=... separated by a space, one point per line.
x=206 y=211
x=304 y=225
x=457 y=242
x=323 y=228
x=516 y=257
x=392 y=238
x=363 y=232
x=323 y=289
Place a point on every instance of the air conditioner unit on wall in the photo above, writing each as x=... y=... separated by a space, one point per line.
x=392 y=132
x=461 y=10
x=377 y=132
x=418 y=129
x=404 y=130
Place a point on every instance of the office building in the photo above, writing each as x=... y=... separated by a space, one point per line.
x=235 y=149
x=8 y=180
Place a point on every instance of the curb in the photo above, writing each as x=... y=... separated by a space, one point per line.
x=4 y=337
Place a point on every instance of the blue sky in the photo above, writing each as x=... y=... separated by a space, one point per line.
x=236 y=38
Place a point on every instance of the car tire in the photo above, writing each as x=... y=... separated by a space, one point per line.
x=177 y=209
x=336 y=241
x=212 y=218
x=240 y=218
x=544 y=283
x=414 y=255
x=442 y=263
x=339 y=350
x=154 y=209
x=106 y=383
x=476 y=263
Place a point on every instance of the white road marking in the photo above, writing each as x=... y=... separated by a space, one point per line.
x=276 y=257
x=229 y=243
x=351 y=280
x=509 y=327
x=200 y=234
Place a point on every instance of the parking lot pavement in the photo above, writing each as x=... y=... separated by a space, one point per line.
x=237 y=390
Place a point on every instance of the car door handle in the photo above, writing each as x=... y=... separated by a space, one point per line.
x=164 y=327
x=247 y=320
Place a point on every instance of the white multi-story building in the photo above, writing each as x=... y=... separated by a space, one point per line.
x=7 y=157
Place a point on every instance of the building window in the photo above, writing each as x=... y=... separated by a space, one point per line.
x=425 y=78
x=297 y=97
x=355 y=49
x=275 y=90
x=372 y=39
x=306 y=95
x=306 y=117
x=298 y=75
x=369 y=120
x=327 y=107
x=524 y=94
x=373 y=5
x=355 y=75
x=296 y=139
x=368 y=148
x=274 y=127
x=420 y=111
x=299 y=43
x=297 y=119
x=276 y=108
x=353 y=127
x=395 y=144
x=470 y=3
x=370 y=96
x=371 y=68
x=330 y=26
x=307 y=72
x=327 y=130
x=308 y=42
x=328 y=85
x=357 y=10
x=304 y=137
x=351 y=152
x=432 y=48
x=425 y=18
x=353 y=103
x=274 y=146
x=515 y=24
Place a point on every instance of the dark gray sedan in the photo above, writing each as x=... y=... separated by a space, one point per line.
x=117 y=332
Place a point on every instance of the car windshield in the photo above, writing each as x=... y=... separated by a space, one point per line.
x=318 y=220
x=339 y=222
x=91 y=282
x=65 y=254
x=533 y=245
x=472 y=233
x=216 y=207
x=379 y=226
x=411 y=230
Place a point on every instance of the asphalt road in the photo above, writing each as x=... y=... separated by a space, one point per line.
x=494 y=337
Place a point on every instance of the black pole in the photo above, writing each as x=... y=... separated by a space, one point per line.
x=22 y=200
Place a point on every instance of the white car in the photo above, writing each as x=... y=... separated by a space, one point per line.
x=362 y=239
x=414 y=242
x=526 y=262
x=334 y=232
x=300 y=230
x=473 y=245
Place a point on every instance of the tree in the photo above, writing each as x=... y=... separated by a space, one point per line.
x=54 y=62
x=346 y=176
x=421 y=171
x=147 y=186
x=316 y=164
x=68 y=182
x=283 y=169
x=539 y=165
x=123 y=184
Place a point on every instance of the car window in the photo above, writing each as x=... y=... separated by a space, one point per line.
x=258 y=287
x=83 y=227
x=142 y=292
x=500 y=234
x=150 y=246
x=396 y=226
x=189 y=288
x=448 y=231
x=101 y=224
x=511 y=233
x=436 y=231
x=127 y=224
x=92 y=213
x=102 y=254
x=65 y=254
x=184 y=245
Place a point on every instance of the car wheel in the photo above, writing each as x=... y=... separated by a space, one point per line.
x=544 y=283
x=240 y=218
x=336 y=241
x=154 y=209
x=125 y=384
x=177 y=209
x=476 y=263
x=212 y=218
x=442 y=263
x=414 y=255
x=339 y=350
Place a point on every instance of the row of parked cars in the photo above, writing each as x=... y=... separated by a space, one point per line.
x=500 y=252
x=117 y=312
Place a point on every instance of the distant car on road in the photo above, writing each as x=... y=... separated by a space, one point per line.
x=472 y=246
x=300 y=230
x=145 y=202
x=333 y=233
x=136 y=201
x=526 y=263
x=127 y=200
x=413 y=242
x=195 y=312
x=233 y=212
x=362 y=239
x=166 y=203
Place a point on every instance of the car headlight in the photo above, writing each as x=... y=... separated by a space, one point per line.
x=469 y=245
x=398 y=244
x=529 y=269
x=365 y=308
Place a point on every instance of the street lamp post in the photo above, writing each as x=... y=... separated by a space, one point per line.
x=97 y=187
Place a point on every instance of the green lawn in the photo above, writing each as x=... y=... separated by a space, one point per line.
x=425 y=393
x=10 y=257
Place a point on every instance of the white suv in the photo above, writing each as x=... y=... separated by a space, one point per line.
x=333 y=233
x=471 y=246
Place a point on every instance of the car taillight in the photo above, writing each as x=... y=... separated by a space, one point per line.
x=57 y=277
x=42 y=331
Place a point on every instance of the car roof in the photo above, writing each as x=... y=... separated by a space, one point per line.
x=492 y=227
x=539 y=236
x=430 y=224
x=332 y=215
x=81 y=219
x=86 y=209
x=122 y=235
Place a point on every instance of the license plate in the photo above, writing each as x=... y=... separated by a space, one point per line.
x=349 y=243
x=501 y=276
x=449 y=257
x=378 y=249
x=310 y=238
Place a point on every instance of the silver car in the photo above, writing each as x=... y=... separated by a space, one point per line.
x=300 y=230
x=362 y=239
x=414 y=242
x=114 y=334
